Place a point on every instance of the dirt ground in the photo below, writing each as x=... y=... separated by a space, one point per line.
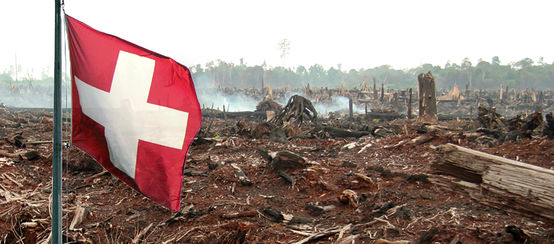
x=391 y=199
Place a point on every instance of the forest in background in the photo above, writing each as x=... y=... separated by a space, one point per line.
x=523 y=74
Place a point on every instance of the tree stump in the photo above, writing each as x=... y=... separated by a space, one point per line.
x=427 y=97
x=298 y=109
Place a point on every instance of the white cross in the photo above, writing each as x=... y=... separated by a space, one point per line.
x=126 y=115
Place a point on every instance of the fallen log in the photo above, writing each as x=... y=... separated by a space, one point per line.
x=496 y=181
x=261 y=115
x=241 y=176
x=384 y=116
x=234 y=215
x=343 y=133
x=287 y=177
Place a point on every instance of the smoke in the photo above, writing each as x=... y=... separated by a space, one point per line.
x=338 y=104
x=27 y=97
x=210 y=96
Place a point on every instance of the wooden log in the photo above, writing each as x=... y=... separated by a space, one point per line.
x=287 y=177
x=286 y=160
x=342 y=133
x=383 y=116
x=496 y=181
x=427 y=96
x=261 y=115
x=78 y=217
x=235 y=215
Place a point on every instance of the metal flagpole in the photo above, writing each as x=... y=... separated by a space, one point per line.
x=57 y=145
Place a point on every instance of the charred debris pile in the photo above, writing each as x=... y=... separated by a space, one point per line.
x=526 y=113
x=388 y=104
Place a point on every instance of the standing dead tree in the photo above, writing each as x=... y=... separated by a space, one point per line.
x=298 y=108
x=410 y=105
x=427 y=97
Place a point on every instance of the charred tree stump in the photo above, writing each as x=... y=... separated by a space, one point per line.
x=496 y=181
x=427 y=97
x=299 y=109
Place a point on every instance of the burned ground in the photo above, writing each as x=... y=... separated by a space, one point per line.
x=240 y=186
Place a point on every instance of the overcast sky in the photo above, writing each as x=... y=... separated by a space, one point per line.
x=355 y=34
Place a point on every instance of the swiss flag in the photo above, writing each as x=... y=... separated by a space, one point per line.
x=134 y=111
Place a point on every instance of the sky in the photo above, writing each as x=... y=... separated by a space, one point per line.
x=352 y=34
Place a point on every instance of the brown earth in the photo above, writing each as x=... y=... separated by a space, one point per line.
x=390 y=197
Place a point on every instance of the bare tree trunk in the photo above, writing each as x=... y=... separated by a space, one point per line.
x=501 y=93
x=410 y=105
x=350 y=110
x=382 y=92
x=374 y=89
x=427 y=97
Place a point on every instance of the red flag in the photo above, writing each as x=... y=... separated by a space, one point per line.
x=134 y=111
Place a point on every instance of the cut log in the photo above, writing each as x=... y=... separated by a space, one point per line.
x=383 y=116
x=235 y=215
x=259 y=115
x=286 y=160
x=496 y=181
x=342 y=133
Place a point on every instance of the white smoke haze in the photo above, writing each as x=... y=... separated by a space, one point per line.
x=339 y=104
x=210 y=96
x=23 y=97
x=213 y=98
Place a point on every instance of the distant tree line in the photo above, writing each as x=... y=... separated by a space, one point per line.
x=523 y=74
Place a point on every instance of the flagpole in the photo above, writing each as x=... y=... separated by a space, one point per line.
x=57 y=133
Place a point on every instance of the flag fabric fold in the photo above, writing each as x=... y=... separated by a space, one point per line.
x=134 y=111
